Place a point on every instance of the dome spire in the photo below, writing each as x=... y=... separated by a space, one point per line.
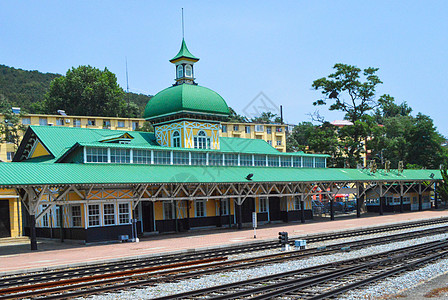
x=184 y=62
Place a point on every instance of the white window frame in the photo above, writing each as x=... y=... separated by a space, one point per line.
x=109 y=214
x=76 y=122
x=224 y=128
x=259 y=128
x=121 y=124
x=121 y=214
x=96 y=216
x=188 y=69
x=175 y=139
x=200 y=213
x=77 y=217
x=180 y=71
x=224 y=207
x=202 y=140
x=170 y=211
x=26 y=121
x=263 y=204
x=247 y=129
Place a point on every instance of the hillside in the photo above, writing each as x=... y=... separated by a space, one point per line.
x=24 y=88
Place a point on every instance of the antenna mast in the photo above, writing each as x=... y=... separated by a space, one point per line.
x=182 y=23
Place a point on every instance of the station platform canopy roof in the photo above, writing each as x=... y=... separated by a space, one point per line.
x=23 y=173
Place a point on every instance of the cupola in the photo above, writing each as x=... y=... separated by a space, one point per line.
x=184 y=62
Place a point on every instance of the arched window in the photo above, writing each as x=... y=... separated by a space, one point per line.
x=180 y=71
x=176 y=139
x=188 y=71
x=201 y=140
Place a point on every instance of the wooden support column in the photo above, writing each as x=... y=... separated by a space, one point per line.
x=420 y=199
x=175 y=216
x=331 y=209
x=302 y=209
x=359 y=200
x=381 y=209
x=230 y=213
x=33 y=239
x=220 y=213
x=401 y=199
x=436 y=196
x=240 y=213
x=187 y=205
x=61 y=222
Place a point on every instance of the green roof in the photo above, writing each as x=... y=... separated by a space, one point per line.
x=12 y=174
x=183 y=52
x=59 y=140
x=186 y=98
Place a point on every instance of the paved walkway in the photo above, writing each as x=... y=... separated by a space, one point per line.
x=18 y=257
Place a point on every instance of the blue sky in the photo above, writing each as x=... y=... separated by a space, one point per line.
x=245 y=47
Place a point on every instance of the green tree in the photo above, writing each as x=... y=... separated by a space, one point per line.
x=442 y=188
x=345 y=91
x=316 y=139
x=147 y=127
x=426 y=144
x=235 y=117
x=387 y=108
x=267 y=118
x=87 y=91
x=11 y=127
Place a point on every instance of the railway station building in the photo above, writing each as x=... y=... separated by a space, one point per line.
x=90 y=184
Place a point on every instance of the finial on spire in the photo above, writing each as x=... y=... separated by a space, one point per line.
x=182 y=23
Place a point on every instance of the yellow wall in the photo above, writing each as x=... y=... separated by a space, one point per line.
x=39 y=151
x=187 y=129
x=52 y=119
x=15 y=211
x=273 y=137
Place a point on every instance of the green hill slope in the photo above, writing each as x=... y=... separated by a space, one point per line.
x=24 y=88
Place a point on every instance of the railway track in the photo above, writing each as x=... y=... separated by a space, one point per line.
x=135 y=264
x=68 y=288
x=325 y=281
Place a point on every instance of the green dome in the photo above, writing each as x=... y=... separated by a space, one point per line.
x=186 y=98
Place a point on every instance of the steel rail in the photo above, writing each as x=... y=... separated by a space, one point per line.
x=196 y=255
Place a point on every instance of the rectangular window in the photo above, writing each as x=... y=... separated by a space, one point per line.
x=224 y=128
x=247 y=129
x=245 y=160
x=123 y=213
x=231 y=159
x=57 y=216
x=76 y=123
x=236 y=128
x=260 y=160
x=43 y=122
x=270 y=142
x=181 y=158
x=406 y=200
x=297 y=161
x=320 y=162
x=263 y=204
x=168 y=210
x=285 y=161
x=109 y=214
x=198 y=158
x=308 y=162
x=45 y=222
x=93 y=214
x=199 y=208
x=96 y=155
x=26 y=121
x=9 y=156
x=215 y=159
x=224 y=207
x=120 y=124
x=106 y=124
x=259 y=128
x=120 y=156
x=297 y=203
x=141 y=157
x=135 y=125
x=279 y=142
x=91 y=122
x=268 y=129
x=279 y=129
x=273 y=161
x=162 y=157
x=60 y=122
x=76 y=215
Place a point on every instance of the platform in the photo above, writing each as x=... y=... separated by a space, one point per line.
x=16 y=257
